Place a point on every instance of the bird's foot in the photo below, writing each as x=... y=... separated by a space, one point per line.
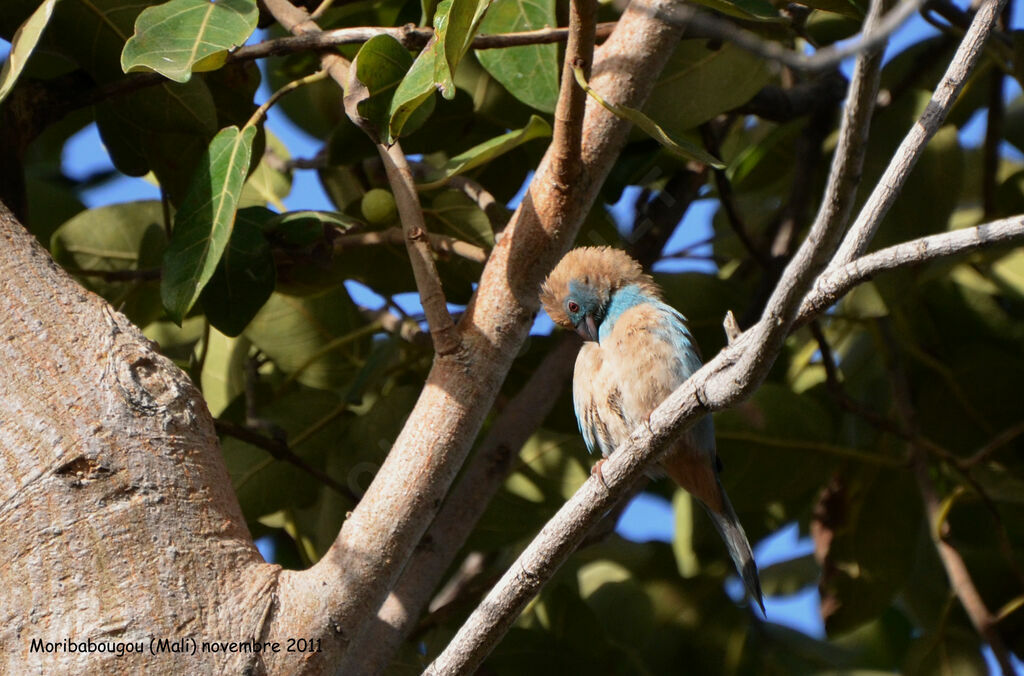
x=596 y=471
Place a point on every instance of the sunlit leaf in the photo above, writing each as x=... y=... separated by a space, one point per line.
x=678 y=145
x=487 y=151
x=22 y=45
x=182 y=36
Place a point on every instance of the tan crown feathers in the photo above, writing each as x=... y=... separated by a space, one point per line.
x=603 y=268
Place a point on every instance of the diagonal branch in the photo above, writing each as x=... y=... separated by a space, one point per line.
x=910 y=150
x=338 y=597
x=417 y=242
x=728 y=377
x=959 y=577
x=486 y=472
x=836 y=282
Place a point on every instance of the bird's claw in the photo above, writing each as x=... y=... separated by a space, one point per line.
x=596 y=471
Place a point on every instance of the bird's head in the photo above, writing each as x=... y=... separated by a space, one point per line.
x=578 y=291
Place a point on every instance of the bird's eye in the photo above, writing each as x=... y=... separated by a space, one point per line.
x=573 y=306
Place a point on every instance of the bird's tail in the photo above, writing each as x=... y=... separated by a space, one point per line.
x=728 y=525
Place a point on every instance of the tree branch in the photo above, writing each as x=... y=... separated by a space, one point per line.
x=418 y=244
x=339 y=595
x=834 y=283
x=728 y=377
x=484 y=476
x=281 y=451
x=444 y=244
x=959 y=577
x=823 y=59
x=910 y=150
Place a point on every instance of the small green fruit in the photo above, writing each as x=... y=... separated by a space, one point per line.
x=378 y=207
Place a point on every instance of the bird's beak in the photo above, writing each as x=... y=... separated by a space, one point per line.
x=587 y=328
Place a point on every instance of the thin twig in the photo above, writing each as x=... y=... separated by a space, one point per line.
x=959 y=577
x=834 y=283
x=888 y=186
x=417 y=242
x=279 y=450
x=440 y=243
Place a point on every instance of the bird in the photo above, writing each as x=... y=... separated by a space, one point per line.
x=637 y=350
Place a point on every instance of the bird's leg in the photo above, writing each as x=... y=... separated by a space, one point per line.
x=596 y=470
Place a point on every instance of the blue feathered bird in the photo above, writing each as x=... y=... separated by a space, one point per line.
x=638 y=350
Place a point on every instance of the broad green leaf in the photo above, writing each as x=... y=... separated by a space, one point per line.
x=223 y=376
x=245 y=275
x=530 y=72
x=265 y=485
x=319 y=339
x=182 y=36
x=455 y=24
x=375 y=73
x=22 y=45
x=699 y=83
x=413 y=91
x=204 y=221
x=756 y=10
x=269 y=182
x=452 y=213
x=117 y=238
x=676 y=144
x=485 y=152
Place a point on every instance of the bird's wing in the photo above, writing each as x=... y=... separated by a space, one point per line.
x=586 y=393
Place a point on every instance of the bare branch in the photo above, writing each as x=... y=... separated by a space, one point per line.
x=889 y=185
x=486 y=473
x=959 y=577
x=440 y=243
x=736 y=375
x=823 y=59
x=417 y=242
x=834 y=283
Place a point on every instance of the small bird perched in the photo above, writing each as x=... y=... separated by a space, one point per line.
x=638 y=350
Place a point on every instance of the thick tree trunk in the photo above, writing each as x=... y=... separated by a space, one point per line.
x=119 y=526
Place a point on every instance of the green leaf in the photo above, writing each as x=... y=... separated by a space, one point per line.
x=530 y=72
x=182 y=36
x=537 y=127
x=458 y=216
x=22 y=45
x=319 y=339
x=245 y=275
x=204 y=221
x=375 y=73
x=677 y=145
x=756 y=10
x=699 y=83
x=223 y=376
x=116 y=238
x=455 y=24
x=265 y=485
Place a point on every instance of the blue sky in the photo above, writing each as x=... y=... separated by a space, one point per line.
x=649 y=517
